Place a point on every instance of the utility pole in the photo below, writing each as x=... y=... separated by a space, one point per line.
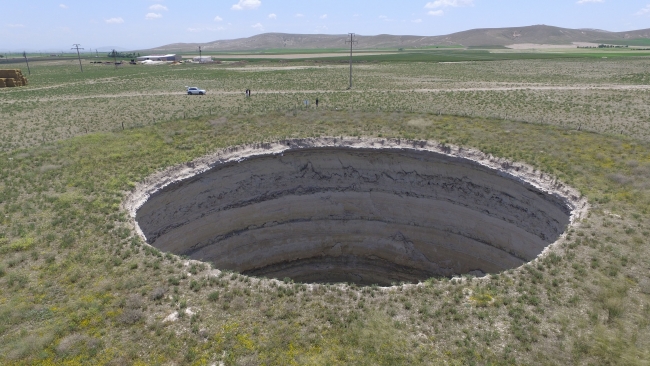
x=115 y=59
x=76 y=47
x=200 y=57
x=351 y=42
x=27 y=62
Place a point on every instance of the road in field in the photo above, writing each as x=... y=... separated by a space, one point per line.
x=527 y=87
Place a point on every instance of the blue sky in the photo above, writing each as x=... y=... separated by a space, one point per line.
x=138 y=24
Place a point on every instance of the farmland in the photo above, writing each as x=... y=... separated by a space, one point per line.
x=78 y=286
x=600 y=95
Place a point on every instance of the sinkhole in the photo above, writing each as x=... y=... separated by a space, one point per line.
x=353 y=210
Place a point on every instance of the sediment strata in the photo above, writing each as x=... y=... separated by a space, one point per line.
x=354 y=210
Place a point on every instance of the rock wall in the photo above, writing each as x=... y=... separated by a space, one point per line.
x=363 y=215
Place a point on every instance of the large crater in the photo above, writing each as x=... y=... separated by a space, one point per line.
x=362 y=211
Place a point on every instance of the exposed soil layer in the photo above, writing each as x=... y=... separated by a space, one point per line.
x=368 y=212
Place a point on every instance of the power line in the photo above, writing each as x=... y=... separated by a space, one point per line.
x=76 y=47
x=351 y=42
x=27 y=62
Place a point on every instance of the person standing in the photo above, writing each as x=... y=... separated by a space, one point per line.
x=316 y=102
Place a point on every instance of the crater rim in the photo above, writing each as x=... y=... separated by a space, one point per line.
x=515 y=171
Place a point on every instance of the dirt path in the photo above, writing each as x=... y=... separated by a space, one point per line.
x=539 y=87
x=428 y=90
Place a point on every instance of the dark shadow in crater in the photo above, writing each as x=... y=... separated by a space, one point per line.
x=368 y=216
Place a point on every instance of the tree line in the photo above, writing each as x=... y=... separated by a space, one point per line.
x=123 y=55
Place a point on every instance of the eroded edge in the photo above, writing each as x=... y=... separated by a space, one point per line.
x=516 y=171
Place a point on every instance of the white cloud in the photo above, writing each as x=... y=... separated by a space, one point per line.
x=152 y=16
x=63 y=6
x=644 y=11
x=299 y=15
x=416 y=21
x=324 y=16
x=383 y=17
x=447 y=3
x=158 y=7
x=218 y=18
x=258 y=26
x=436 y=13
x=590 y=1
x=114 y=21
x=15 y=25
x=246 y=5
x=273 y=16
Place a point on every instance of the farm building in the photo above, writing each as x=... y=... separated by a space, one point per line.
x=202 y=59
x=171 y=57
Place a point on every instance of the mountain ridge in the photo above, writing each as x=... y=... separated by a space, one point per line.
x=537 y=34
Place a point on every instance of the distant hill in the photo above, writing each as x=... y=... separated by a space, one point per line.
x=540 y=34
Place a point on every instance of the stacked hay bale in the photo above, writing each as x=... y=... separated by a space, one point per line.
x=11 y=78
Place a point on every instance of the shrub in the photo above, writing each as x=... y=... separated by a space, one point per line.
x=75 y=343
x=130 y=316
x=195 y=285
x=17 y=279
x=19 y=245
x=213 y=296
x=50 y=258
x=157 y=294
x=67 y=241
x=614 y=308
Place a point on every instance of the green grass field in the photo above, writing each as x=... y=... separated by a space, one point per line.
x=77 y=286
x=629 y=42
x=483 y=54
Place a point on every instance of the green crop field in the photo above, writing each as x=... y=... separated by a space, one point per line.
x=629 y=42
x=78 y=286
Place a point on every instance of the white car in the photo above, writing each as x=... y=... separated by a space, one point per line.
x=192 y=90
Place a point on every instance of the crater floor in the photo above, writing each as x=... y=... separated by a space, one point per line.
x=364 y=215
